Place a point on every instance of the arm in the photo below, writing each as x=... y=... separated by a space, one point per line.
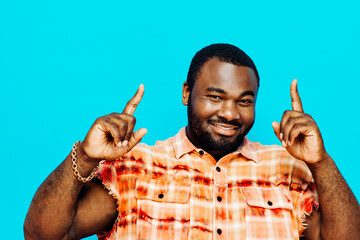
x=339 y=209
x=56 y=206
x=65 y=208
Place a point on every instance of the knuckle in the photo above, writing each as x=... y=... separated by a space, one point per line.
x=291 y=120
x=308 y=116
x=311 y=122
x=297 y=126
x=128 y=135
x=125 y=115
x=103 y=119
x=123 y=125
x=98 y=120
x=128 y=118
x=112 y=126
x=132 y=120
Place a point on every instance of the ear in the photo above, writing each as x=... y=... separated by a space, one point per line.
x=185 y=93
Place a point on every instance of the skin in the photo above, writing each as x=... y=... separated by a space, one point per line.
x=76 y=210
x=223 y=92
x=339 y=214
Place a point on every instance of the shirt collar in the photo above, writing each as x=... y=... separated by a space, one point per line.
x=182 y=145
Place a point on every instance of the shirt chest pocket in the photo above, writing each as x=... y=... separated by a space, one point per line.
x=162 y=208
x=162 y=190
x=269 y=198
x=268 y=210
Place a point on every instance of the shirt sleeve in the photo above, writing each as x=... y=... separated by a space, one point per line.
x=119 y=178
x=304 y=193
x=108 y=175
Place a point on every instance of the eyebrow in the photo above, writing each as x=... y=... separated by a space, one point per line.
x=219 y=90
x=251 y=93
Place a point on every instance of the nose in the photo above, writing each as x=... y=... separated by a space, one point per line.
x=229 y=111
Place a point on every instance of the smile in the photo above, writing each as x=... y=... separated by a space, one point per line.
x=224 y=129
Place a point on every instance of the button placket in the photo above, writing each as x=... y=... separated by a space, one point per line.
x=220 y=189
x=220 y=213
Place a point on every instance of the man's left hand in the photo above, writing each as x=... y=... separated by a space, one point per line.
x=299 y=133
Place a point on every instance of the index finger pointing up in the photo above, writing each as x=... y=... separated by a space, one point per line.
x=134 y=101
x=295 y=97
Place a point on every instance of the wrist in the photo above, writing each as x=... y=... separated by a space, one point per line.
x=323 y=162
x=82 y=164
x=83 y=158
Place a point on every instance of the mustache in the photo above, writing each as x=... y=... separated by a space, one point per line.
x=235 y=124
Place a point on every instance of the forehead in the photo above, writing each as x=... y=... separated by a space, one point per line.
x=229 y=77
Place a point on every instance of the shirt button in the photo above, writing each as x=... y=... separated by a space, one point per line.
x=201 y=152
x=218 y=169
x=161 y=195
x=269 y=203
x=219 y=231
x=219 y=198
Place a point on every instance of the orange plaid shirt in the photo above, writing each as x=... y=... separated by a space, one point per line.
x=174 y=190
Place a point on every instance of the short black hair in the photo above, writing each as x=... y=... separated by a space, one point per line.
x=224 y=52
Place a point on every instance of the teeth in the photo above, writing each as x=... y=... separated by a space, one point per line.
x=226 y=128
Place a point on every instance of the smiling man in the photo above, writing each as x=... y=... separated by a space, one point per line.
x=207 y=182
x=221 y=106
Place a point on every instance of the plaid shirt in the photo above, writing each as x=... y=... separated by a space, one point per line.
x=174 y=190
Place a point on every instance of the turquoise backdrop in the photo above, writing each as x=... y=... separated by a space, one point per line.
x=65 y=63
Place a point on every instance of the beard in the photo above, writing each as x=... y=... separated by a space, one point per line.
x=204 y=138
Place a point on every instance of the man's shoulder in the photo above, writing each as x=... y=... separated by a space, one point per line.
x=141 y=157
x=161 y=147
x=271 y=155
x=260 y=148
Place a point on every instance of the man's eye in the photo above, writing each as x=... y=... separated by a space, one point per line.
x=246 y=102
x=214 y=97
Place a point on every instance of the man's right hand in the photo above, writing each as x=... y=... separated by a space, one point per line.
x=111 y=136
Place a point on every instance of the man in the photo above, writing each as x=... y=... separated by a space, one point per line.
x=207 y=182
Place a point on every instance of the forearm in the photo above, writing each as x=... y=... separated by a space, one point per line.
x=53 y=207
x=340 y=210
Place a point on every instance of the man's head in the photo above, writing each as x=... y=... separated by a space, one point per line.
x=226 y=53
x=220 y=93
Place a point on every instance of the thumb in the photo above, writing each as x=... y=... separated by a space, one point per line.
x=276 y=127
x=136 y=138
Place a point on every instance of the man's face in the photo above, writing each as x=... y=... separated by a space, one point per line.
x=221 y=106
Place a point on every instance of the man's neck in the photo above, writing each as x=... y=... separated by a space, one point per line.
x=217 y=155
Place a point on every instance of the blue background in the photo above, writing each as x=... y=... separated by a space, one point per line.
x=65 y=63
